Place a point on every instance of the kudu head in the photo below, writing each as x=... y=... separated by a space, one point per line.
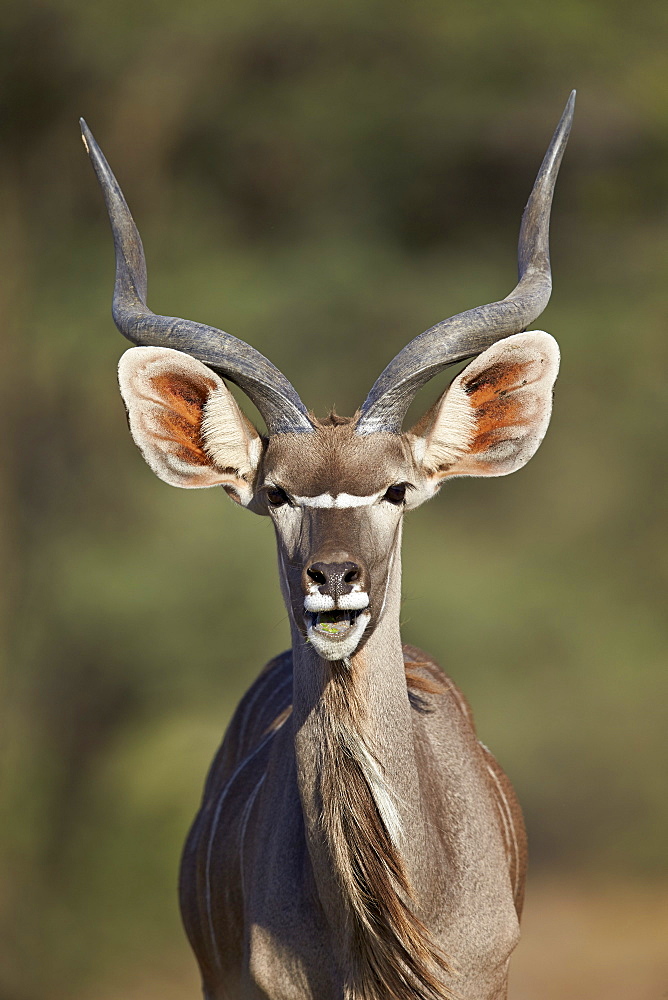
x=337 y=489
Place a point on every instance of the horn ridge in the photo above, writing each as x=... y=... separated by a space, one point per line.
x=469 y=333
x=263 y=383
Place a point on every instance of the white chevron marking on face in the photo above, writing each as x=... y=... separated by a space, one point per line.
x=340 y=500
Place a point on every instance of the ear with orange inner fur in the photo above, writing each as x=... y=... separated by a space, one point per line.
x=492 y=418
x=186 y=423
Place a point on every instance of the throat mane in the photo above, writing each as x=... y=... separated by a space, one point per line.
x=392 y=954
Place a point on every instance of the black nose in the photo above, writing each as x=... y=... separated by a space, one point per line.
x=334 y=578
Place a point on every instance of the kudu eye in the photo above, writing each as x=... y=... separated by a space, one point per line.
x=276 y=497
x=396 y=494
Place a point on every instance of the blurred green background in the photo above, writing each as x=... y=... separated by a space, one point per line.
x=325 y=181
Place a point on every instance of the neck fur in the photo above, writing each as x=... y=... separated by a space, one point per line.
x=360 y=797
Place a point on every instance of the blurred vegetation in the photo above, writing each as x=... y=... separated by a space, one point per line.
x=324 y=181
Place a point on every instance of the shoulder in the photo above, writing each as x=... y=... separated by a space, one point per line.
x=267 y=697
x=264 y=706
x=424 y=676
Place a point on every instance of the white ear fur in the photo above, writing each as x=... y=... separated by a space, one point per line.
x=223 y=420
x=186 y=423
x=492 y=418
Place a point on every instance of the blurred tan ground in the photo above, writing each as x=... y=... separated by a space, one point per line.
x=605 y=942
x=579 y=940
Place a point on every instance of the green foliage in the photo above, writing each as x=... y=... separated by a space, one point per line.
x=324 y=181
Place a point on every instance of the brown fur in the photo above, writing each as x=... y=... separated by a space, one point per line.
x=416 y=682
x=181 y=420
x=507 y=805
x=496 y=379
x=496 y=408
x=282 y=717
x=513 y=828
x=393 y=955
x=335 y=453
x=333 y=419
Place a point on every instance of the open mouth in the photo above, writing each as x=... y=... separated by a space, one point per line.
x=333 y=624
x=335 y=635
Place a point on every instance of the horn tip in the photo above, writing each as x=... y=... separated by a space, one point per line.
x=569 y=110
x=86 y=136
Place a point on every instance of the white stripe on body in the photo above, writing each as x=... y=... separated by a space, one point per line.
x=219 y=805
x=459 y=698
x=262 y=688
x=212 y=834
x=244 y=823
x=507 y=818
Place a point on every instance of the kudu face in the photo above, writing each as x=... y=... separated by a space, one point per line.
x=336 y=490
x=336 y=500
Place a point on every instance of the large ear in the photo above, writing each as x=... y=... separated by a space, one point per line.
x=491 y=419
x=186 y=423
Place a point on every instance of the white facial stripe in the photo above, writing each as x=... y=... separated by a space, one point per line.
x=340 y=500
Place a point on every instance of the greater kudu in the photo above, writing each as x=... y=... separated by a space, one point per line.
x=355 y=839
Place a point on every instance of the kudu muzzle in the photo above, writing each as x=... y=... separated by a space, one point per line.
x=335 y=582
x=335 y=585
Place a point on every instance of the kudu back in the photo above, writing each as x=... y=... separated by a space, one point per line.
x=355 y=840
